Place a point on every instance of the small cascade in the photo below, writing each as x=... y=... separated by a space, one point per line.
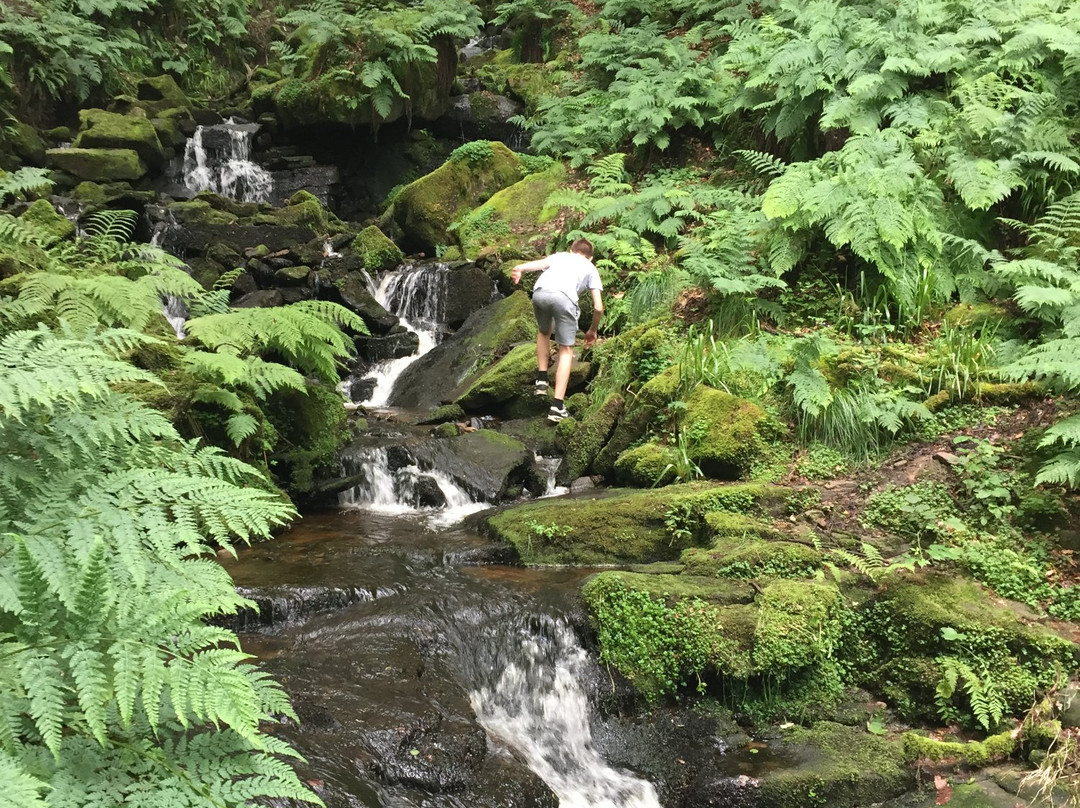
x=174 y=309
x=72 y=211
x=218 y=158
x=534 y=703
x=416 y=296
x=393 y=483
x=550 y=465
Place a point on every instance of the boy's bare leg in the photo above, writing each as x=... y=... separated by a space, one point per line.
x=562 y=370
x=543 y=351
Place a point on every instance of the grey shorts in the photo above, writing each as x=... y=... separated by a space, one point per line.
x=555 y=313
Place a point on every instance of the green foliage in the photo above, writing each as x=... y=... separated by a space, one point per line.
x=984 y=701
x=25 y=182
x=111 y=676
x=919 y=511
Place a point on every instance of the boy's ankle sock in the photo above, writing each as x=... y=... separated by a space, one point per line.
x=541 y=376
x=556 y=402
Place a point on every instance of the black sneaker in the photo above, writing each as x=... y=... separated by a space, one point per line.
x=540 y=388
x=556 y=412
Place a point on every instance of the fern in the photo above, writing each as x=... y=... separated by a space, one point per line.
x=985 y=701
x=24 y=183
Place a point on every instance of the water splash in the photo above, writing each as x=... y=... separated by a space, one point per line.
x=550 y=465
x=218 y=158
x=417 y=296
x=537 y=706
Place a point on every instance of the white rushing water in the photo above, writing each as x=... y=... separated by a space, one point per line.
x=218 y=158
x=550 y=465
x=538 y=707
x=415 y=295
x=399 y=491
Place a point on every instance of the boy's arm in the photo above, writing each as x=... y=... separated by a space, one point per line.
x=597 y=313
x=539 y=265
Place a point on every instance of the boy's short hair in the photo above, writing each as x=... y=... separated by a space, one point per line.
x=582 y=246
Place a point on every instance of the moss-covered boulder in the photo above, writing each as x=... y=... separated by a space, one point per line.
x=507 y=386
x=425 y=209
x=512 y=218
x=726 y=433
x=750 y=547
x=108 y=130
x=651 y=399
x=622 y=526
x=660 y=630
x=26 y=143
x=646 y=465
x=159 y=94
x=46 y=221
x=591 y=433
x=97 y=165
x=837 y=766
x=911 y=623
x=302 y=210
x=487 y=333
x=377 y=251
x=486 y=463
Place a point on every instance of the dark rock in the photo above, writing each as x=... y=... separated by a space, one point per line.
x=467 y=290
x=262 y=299
x=354 y=295
x=26 y=143
x=485 y=463
x=294 y=294
x=361 y=389
x=244 y=284
x=398 y=457
x=427 y=494
x=316 y=180
x=391 y=346
x=582 y=484
x=480 y=115
x=196 y=236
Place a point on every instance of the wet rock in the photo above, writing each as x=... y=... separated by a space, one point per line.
x=196 y=236
x=398 y=457
x=468 y=289
x=485 y=463
x=506 y=387
x=582 y=484
x=427 y=494
x=97 y=165
x=26 y=143
x=430 y=380
x=313 y=179
x=481 y=115
x=261 y=299
x=391 y=346
x=354 y=295
x=504 y=782
x=377 y=252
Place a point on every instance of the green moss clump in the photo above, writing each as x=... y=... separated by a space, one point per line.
x=511 y=378
x=45 y=219
x=512 y=217
x=377 y=251
x=746 y=547
x=156 y=94
x=977 y=315
x=444 y=414
x=726 y=433
x=653 y=397
x=97 y=165
x=108 y=130
x=26 y=142
x=646 y=465
x=448 y=430
x=312 y=426
x=974 y=754
x=303 y=210
x=425 y=209
x=839 y=767
x=799 y=624
x=585 y=442
x=200 y=211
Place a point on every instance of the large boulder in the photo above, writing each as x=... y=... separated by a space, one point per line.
x=377 y=251
x=480 y=115
x=425 y=209
x=488 y=333
x=155 y=96
x=46 y=221
x=97 y=165
x=108 y=130
x=352 y=292
x=26 y=143
x=468 y=289
x=588 y=438
x=728 y=433
x=506 y=386
x=486 y=463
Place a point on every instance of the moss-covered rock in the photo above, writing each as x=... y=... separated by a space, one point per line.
x=651 y=399
x=108 y=130
x=623 y=526
x=312 y=426
x=45 y=219
x=303 y=210
x=744 y=546
x=977 y=316
x=973 y=754
x=26 y=143
x=512 y=218
x=509 y=380
x=169 y=132
x=726 y=433
x=838 y=767
x=97 y=165
x=425 y=209
x=445 y=413
x=646 y=465
x=377 y=251
x=158 y=94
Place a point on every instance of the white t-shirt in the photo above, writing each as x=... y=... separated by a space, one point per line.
x=569 y=273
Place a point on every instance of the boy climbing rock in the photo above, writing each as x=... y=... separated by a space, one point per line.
x=555 y=303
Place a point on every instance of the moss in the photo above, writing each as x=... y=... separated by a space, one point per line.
x=977 y=315
x=1008 y=393
x=199 y=211
x=168 y=132
x=646 y=465
x=653 y=397
x=585 y=442
x=312 y=427
x=799 y=623
x=302 y=211
x=726 y=433
x=293 y=276
x=44 y=217
x=839 y=767
x=90 y=194
x=512 y=217
x=511 y=378
x=156 y=94
x=97 y=165
x=26 y=142
x=974 y=754
x=108 y=130
x=447 y=430
x=623 y=526
x=425 y=208
x=529 y=82
x=750 y=557
x=377 y=251
x=445 y=413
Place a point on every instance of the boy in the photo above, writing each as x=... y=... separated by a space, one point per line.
x=555 y=304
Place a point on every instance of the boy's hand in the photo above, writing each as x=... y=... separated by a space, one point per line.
x=590 y=339
x=515 y=274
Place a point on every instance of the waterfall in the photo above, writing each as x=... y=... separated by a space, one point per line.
x=550 y=466
x=218 y=158
x=402 y=487
x=416 y=296
x=534 y=703
x=173 y=308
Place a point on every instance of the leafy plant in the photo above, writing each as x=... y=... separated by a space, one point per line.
x=986 y=703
